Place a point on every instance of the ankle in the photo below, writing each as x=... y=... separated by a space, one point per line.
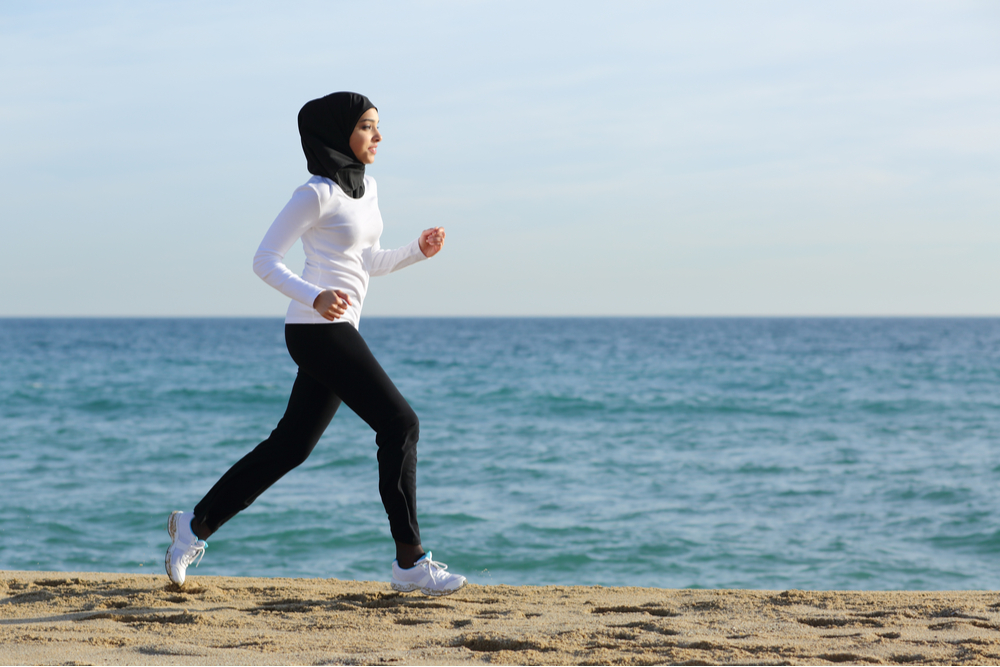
x=199 y=529
x=407 y=555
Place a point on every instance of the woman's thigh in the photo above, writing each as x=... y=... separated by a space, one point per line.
x=336 y=356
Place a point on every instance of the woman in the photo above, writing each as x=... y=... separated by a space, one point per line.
x=336 y=215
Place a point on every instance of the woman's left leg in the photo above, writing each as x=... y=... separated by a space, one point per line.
x=336 y=356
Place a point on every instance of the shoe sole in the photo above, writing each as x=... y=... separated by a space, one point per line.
x=172 y=529
x=409 y=588
x=172 y=524
x=403 y=588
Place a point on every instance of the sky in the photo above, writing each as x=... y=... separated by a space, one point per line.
x=586 y=158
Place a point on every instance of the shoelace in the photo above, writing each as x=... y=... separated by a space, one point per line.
x=194 y=551
x=433 y=566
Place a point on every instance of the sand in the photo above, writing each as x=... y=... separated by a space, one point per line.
x=95 y=618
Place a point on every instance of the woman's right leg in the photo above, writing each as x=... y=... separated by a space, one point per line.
x=310 y=409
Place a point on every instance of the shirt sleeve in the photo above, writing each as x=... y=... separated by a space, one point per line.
x=380 y=262
x=300 y=213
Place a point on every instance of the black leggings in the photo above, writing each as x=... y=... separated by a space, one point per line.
x=335 y=365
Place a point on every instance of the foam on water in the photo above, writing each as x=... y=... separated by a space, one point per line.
x=758 y=453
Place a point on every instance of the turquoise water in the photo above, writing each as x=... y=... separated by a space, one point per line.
x=750 y=453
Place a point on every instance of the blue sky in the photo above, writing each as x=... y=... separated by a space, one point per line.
x=626 y=158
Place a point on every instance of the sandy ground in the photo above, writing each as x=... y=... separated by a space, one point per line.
x=94 y=618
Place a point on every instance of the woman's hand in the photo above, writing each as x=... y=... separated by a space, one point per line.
x=431 y=241
x=331 y=303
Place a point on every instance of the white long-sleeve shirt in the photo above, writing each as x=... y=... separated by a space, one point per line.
x=340 y=238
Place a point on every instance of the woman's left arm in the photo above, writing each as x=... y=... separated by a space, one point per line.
x=428 y=244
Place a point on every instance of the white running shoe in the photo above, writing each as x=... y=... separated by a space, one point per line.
x=184 y=548
x=430 y=577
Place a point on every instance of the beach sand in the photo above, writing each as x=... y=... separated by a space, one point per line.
x=95 y=618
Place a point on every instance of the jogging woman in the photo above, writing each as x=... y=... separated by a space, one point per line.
x=336 y=215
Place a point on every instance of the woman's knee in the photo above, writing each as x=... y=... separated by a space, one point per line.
x=288 y=447
x=295 y=457
x=401 y=430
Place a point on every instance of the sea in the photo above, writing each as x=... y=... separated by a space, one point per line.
x=757 y=453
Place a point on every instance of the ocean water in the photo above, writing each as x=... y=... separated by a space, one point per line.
x=729 y=453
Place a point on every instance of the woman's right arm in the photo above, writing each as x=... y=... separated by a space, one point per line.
x=300 y=213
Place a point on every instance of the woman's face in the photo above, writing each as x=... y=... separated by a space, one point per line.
x=365 y=138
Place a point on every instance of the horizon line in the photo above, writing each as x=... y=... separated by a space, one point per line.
x=498 y=317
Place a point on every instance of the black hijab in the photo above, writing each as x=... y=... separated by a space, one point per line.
x=325 y=126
